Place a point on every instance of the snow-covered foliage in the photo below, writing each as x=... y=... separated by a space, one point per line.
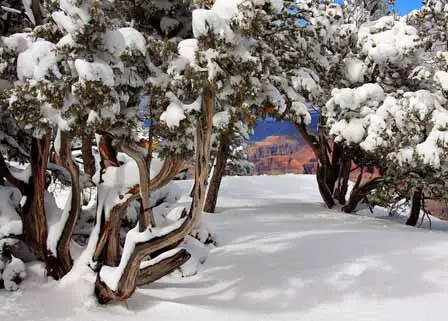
x=12 y=269
x=398 y=116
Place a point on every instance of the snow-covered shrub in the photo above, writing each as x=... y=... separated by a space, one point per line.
x=12 y=273
x=399 y=119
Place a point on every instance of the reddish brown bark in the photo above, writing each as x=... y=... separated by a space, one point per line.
x=87 y=155
x=222 y=155
x=417 y=201
x=34 y=219
x=146 y=216
x=154 y=272
x=108 y=247
x=61 y=263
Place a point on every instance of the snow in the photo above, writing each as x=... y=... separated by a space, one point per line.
x=25 y=66
x=14 y=269
x=134 y=40
x=187 y=49
x=176 y=111
x=441 y=77
x=44 y=59
x=173 y=115
x=56 y=226
x=10 y=222
x=387 y=40
x=221 y=119
x=301 y=110
x=354 y=70
x=114 y=42
x=18 y=42
x=281 y=256
x=72 y=8
x=215 y=20
x=64 y=22
x=95 y=71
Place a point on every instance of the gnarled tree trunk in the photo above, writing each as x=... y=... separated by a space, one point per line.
x=128 y=280
x=146 y=218
x=34 y=220
x=417 y=199
x=222 y=155
x=333 y=172
x=108 y=247
x=60 y=263
x=87 y=155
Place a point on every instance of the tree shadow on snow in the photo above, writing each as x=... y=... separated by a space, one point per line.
x=289 y=262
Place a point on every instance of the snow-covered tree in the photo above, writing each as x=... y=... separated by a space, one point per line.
x=86 y=73
x=399 y=118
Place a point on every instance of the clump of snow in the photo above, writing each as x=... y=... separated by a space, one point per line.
x=355 y=70
x=44 y=59
x=221 y=119
x=173 y=115
x=199 y=254
x=301 y=110
x=133 y=40
x=114 y=42
x=95 y=71
x=13 y=274
x=10 y=222
x=388 y=40
x=25 y=66
x=176 y=111
x=348 y=111
x=18 y=42
x=441 y=77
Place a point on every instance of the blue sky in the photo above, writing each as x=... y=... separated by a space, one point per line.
x=405 y=6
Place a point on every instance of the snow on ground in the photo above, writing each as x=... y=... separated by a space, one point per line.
x=281 y=256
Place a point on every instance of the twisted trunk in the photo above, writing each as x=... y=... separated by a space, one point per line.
x=166 y=266
x=333 y=173
x=62 y=263
x=87 y=155
x=345 y=165
x=325 y=175
x=417 y=200
x=128 y=280
x=34 y=220
x=146 y=218
x=215 y=182
x=108 y=247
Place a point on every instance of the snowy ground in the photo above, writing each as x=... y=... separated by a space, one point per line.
x=282 y=256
